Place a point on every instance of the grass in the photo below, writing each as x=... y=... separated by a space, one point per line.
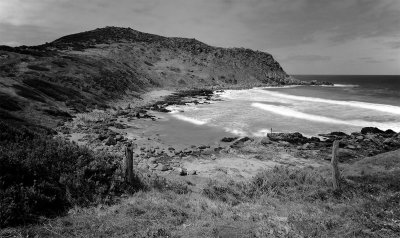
x=38 y=68
x=28 y=93
x=279 y=203
x=59 y=93
x=9 y=103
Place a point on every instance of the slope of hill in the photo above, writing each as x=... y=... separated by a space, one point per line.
x=86 y=70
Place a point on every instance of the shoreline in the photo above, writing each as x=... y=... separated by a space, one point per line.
x=232 y=157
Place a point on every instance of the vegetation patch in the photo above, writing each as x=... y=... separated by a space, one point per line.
x=42 y=176
x=57 y=113
x=9 y=103
x=28 y=93
x=6 y=116
x=38 y=67
x=59 y=93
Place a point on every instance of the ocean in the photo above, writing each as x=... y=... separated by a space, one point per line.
x=353 y=102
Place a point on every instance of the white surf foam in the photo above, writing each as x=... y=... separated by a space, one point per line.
x=237 y=132
x=285 y=111
x=181 y=108
x=340 y=85
x=189 y=119
x=346 y=85
x=284 y=86
x=364 y=105
x=261 y=133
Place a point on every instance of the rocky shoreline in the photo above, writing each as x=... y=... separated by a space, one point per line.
x=232 y=157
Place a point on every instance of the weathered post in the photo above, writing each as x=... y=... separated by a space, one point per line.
x=334 y=163
x=128 y=164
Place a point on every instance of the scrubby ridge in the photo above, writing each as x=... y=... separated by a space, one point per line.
x=87 y=70
x=42 y=176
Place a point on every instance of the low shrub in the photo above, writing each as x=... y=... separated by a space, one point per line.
x=281 y=182
x=38 y=68
x=58 y=92
x=28 y=93
x=287 y=183
x=230 y=192
x=9 y=103
x=42 y=176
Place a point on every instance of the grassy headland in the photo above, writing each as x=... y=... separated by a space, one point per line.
x=277 y=186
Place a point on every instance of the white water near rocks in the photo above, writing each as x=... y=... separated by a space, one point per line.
x=255 y=111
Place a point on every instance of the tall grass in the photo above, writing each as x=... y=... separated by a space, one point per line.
x=281 y=182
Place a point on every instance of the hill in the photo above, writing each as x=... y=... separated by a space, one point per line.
x=82 y=71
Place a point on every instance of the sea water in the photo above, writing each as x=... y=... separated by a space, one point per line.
x=352 y=103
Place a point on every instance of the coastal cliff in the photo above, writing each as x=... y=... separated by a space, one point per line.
x=87 y=70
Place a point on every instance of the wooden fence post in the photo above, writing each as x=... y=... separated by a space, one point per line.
x=334 y=163
x=128 y=164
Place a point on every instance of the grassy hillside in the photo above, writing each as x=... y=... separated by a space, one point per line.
x=83 y=71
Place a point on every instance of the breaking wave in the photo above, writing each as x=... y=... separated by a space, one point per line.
x=364 y=105
x=189 y=119
x=346 y=85
x=288 y=112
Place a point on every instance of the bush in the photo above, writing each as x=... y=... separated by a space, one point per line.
x=230 y=192
x=59 y=93
x=281 y=182
x=28 y=93
x=9 y=103
x=42 y=176
x=38 y=68
x=286 y=183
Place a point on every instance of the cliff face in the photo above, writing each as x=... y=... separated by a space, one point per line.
x=85 y=70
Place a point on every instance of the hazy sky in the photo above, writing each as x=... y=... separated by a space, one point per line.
x=305 y=36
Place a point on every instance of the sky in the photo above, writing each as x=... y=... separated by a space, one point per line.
x=305 y=36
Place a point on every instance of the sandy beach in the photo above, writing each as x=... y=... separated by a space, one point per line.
x=165 y=147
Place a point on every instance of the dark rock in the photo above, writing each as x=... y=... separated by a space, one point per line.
x=391 y=142
x=314 y=139
x=102 y=137
x=182 y=171
x=110 y=141
x=338 y=133
x=229 y=139
x=371 y=130
x=294 y=138
x=390 y=132
x=335 y=135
